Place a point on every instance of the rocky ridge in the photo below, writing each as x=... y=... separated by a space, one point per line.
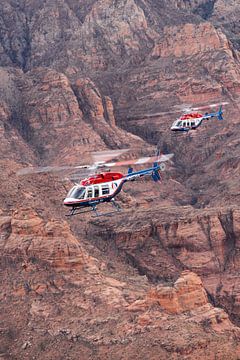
x=223 y=14
x=38 y=275
x=81 y=76
x=205 y=242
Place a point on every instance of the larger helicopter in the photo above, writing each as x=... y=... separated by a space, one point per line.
x=103 y=187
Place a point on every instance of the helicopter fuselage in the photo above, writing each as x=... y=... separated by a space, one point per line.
x=104 y=187
x=192 y=121
x=187 y=122
x=94 y=190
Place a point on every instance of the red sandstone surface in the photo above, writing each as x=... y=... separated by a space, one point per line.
x=161 y=279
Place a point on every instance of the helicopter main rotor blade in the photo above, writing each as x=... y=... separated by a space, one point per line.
x=212 y=105
x=99 y=158
x=47 y=169
x=190 y=108
x=106 y=155
x=183 y=108
x=76 y=177
x=140 y=161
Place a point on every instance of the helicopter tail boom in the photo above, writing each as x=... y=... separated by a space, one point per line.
x=218 y=114
x=153 y=172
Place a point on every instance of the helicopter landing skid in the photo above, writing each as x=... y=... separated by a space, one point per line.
x=115 y=205
x=75 y=212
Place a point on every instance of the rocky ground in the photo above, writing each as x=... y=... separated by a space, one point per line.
x=58 y=301
x=159 y=280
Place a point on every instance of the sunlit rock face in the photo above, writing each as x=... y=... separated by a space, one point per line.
x=27 y=235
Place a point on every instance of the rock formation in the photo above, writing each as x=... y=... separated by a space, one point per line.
x=159 y=280
x=27 y=235
x=205 y=242
x=96 y=313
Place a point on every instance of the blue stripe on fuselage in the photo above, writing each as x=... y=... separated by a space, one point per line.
x=142 y=172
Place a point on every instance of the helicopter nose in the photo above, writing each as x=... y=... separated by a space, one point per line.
x=70 y=201
x=66 y=201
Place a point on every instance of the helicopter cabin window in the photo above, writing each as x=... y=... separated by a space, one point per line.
x=179 y=123
x=71 y=192
x=188 y=124
x=89 y=193
x=96 y=191
x=78 y=193
x=192 y=123
x=105 y=189
x=184 y=123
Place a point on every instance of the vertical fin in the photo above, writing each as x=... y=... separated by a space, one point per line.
x=220 y=112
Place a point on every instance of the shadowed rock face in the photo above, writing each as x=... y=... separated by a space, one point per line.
x=162 y=243
x=84 y=30
x=221 y=13
x=57 y=119
x=80 y=76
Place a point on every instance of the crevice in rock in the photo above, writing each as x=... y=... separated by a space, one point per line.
x=82 y=104
x=81 y=10
x=211 y=298
x=26 y=52
x=205 y=10
x=169 y=250
x=105 y=111
x=6 y=231
x=206 y=228
x=17 y=45
x=226 y=221
x=21 y=124
x=142 y=270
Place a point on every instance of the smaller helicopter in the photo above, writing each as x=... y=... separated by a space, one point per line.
x=99 y=188
x=192 y=120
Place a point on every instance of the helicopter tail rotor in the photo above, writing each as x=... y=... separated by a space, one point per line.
x=162 y=166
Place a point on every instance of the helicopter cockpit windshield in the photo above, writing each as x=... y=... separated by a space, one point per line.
x=77 y=192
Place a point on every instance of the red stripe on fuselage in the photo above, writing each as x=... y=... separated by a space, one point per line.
x=101 y=178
